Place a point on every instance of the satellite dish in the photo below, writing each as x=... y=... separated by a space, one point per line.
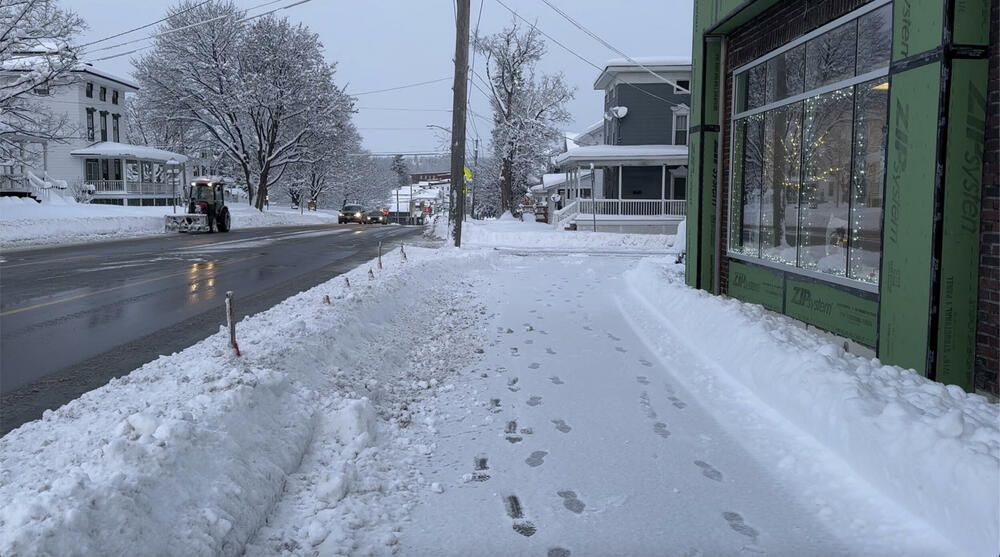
x=619 y=111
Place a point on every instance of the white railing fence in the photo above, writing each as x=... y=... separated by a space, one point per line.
x=633 y=207
x=141 y=188
x=564 y=215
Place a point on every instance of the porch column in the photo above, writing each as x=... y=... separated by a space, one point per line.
x=663 y=191
x=619 y=182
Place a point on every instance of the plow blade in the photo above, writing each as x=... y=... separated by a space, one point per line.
x=187 y=223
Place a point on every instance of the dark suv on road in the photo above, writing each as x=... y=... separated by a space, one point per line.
x=353 y=213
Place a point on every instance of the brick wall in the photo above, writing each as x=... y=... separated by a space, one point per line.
x=782 y=24
x=988 y=327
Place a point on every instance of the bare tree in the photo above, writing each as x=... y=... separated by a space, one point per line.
x=36 y=57
x=261 y=91
x=527 y=110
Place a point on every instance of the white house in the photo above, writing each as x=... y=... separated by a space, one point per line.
x=95 y=151
x=639 y=168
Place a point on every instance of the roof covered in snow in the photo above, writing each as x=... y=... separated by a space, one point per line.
x=112 y=149
x=658 y=64
x=554 y=180
x=42 y=62
x=623 y=155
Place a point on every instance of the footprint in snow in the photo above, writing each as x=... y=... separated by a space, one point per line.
x=708 y=470
x=562 y=426
x=613 y=337
x=536 y=459
x=555 y=380
x=647 y=408
x=645 y=362
x=586 y=328
x=534 y=365
x=660 y=429
x=513 y=507
x=642 y=379
x=680 y=404
x=534 y=400
x=558 y=552
x=550 y=351
x=736 y=523
x=620 y=349
x=512 y=385
x=571 y=502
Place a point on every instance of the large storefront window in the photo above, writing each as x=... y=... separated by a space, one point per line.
x=808 y=157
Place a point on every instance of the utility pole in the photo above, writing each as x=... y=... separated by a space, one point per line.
x=458 y=121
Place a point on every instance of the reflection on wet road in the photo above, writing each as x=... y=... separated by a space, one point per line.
x=72 y=318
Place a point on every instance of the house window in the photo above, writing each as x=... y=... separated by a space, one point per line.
x=105 y=169
x=683 y=87
x=132 y=171
x=808 y=157
x=104 y=125
x=680 y=128
x=680 y=187
x=114 y=127
x=117 y=170
x=90 y=124
x=104 y=94
x=90 y=90
x=42 y=91
x=114 y=96
x=92 y=170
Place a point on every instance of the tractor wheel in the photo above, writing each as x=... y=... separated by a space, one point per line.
x=224 y=221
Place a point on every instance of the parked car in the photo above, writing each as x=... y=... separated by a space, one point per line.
x=377 y=216
x=352 y=213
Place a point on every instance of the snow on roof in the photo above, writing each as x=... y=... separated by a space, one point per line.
x=112 y=149
x=627 y=155
x=42 y=63
x=554 y=180
x=650 y=61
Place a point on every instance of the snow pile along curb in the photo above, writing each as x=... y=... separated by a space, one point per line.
x=869 y=414
x=189 y=454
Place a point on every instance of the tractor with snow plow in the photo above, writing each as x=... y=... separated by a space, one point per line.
x=206 y=209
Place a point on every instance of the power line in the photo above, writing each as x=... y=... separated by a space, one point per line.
x=400 y=87
x=189 y=26
x=404 y=109
x=244 y=20
x=574 y=53
x=581 y=27
x=115 y=36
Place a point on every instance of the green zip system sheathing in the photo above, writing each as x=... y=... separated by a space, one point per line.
x=924 y=315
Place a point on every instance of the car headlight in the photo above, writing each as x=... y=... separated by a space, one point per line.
x=357 y=215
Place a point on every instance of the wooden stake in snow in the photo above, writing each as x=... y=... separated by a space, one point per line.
x=326 y=299
x=347 y=282
x=371 y=274
x=380 y=256
x=231 y=321
x=402 y=251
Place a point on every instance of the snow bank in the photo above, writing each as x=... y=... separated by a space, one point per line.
x=189 y=454
x=508 y=232
x=25 y=223
x=932 y=448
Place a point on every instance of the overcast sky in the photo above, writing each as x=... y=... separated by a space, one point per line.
x=383 y=44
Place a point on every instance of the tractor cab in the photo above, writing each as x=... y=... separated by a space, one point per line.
x=206 y=208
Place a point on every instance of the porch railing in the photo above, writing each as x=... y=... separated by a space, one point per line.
x=633 y=207
x=564 y=215
x=119 y=187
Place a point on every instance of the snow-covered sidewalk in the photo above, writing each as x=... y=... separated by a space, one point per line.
x=475 y=401
x=25 y=223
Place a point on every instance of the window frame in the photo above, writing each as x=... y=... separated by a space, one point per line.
x=103 y=95
x=89 y=90
x=115 y=128
x=90 y=124
x=104 y=125
x=680 y=89
x=681 y=110
x=114 y=96
x=734 y=117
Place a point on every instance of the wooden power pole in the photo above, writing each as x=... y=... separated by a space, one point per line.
x=460 y=88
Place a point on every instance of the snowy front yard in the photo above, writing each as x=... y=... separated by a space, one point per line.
x=25 y=223
x=480 y=402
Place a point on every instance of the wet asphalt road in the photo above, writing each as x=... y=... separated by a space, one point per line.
x=73 y=318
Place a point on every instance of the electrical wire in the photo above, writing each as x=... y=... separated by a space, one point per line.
x=115 y=36
x=574 y=53
x=400 y=87
x=403 y=109
x=244 y=20
x=583 y=28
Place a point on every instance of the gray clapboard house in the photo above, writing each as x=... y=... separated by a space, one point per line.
x=639 y=178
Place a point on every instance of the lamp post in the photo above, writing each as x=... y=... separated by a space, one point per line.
x=173 y=168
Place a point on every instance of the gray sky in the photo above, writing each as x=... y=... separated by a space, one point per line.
x=382 y=44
